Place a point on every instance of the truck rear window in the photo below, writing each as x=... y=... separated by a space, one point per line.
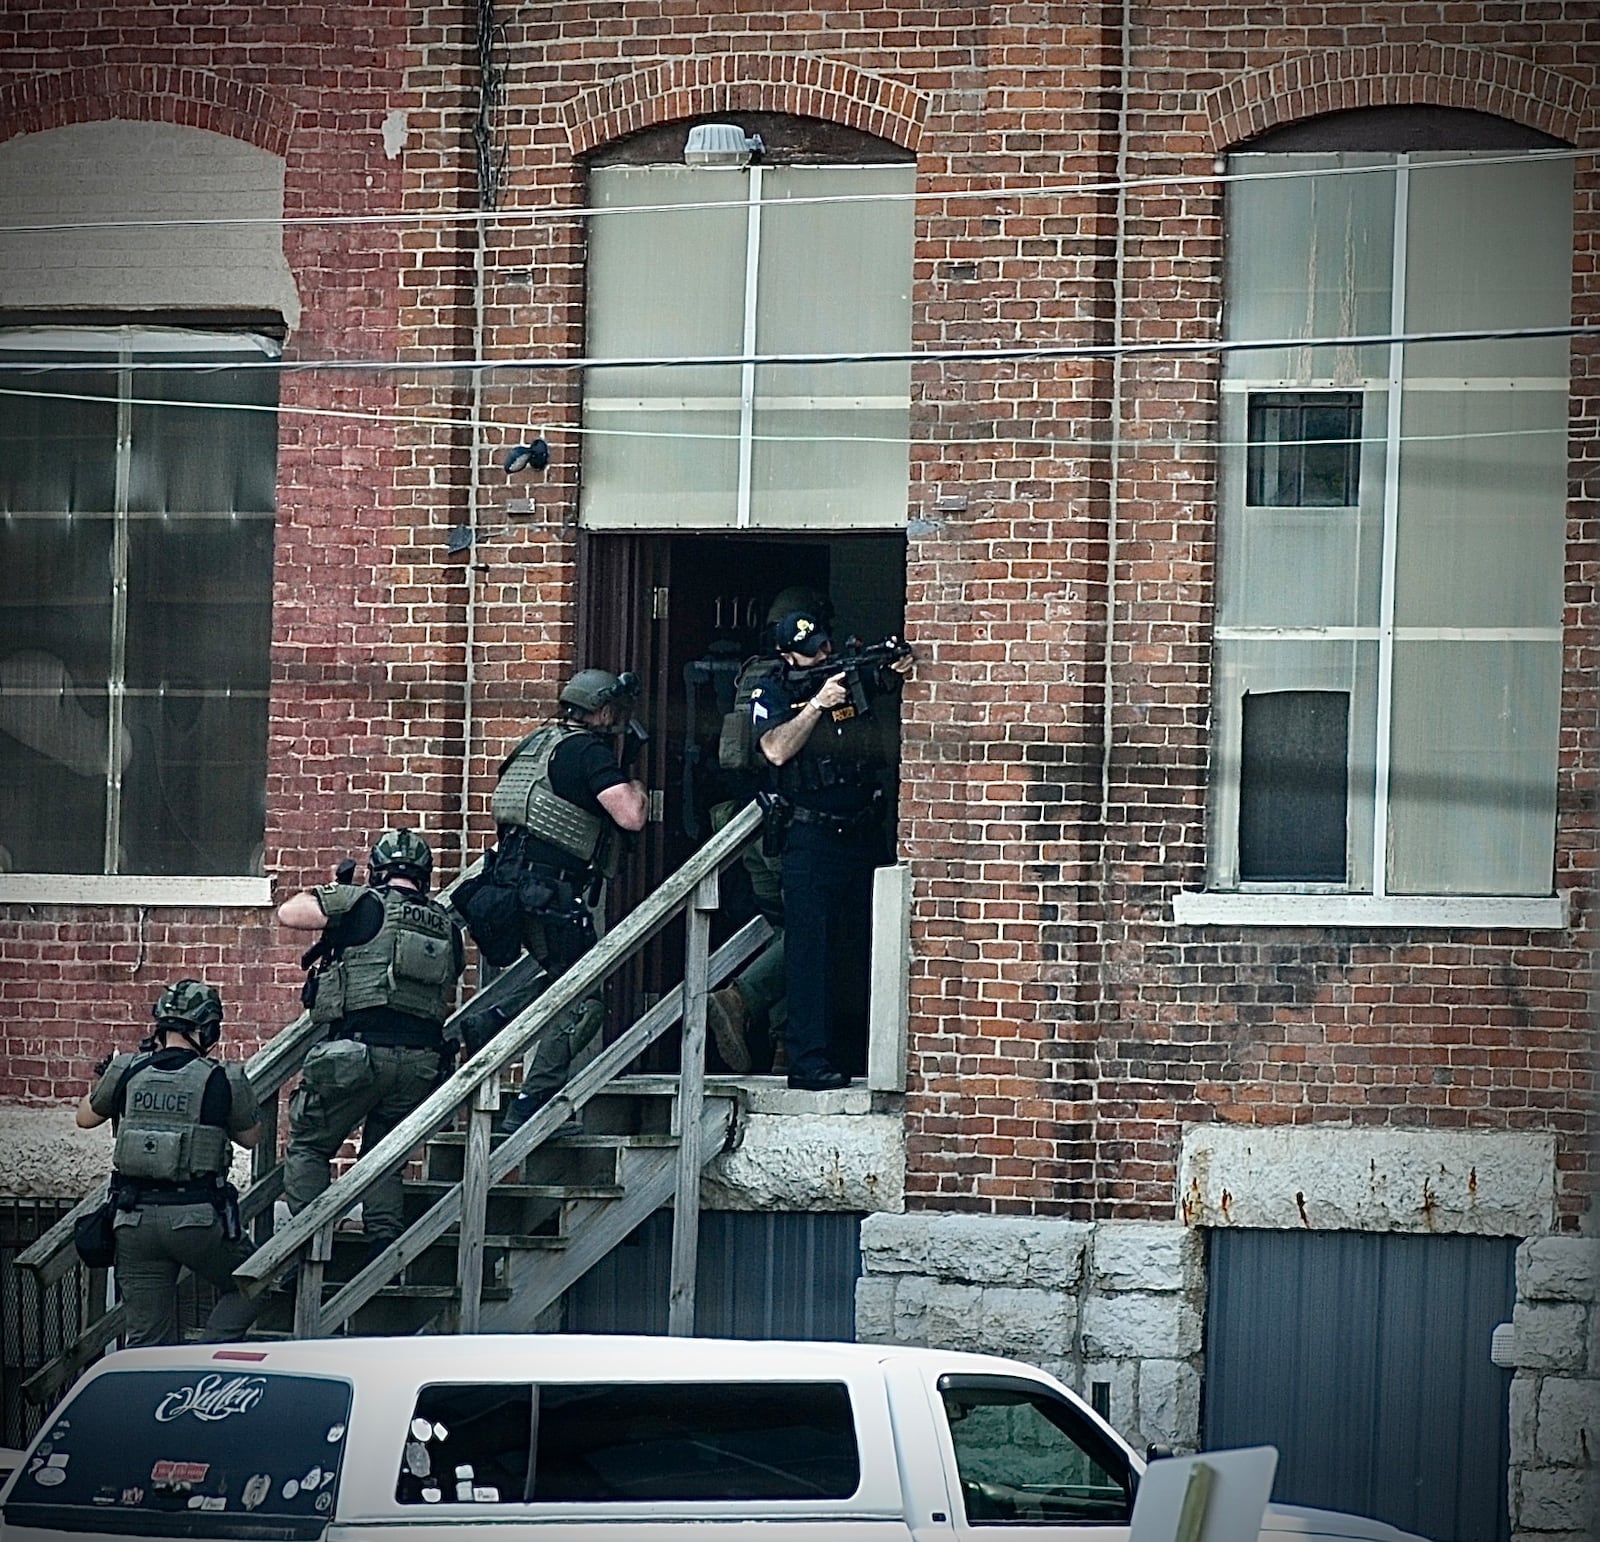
x=516 y=1443
x=229 y=1453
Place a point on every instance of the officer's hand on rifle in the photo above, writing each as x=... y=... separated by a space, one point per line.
x=833 y=693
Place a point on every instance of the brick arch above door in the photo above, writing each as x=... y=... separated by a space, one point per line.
x=800 y=84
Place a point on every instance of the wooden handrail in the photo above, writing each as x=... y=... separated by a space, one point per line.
x=629 y=935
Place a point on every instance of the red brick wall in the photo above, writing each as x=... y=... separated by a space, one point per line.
x=1063 y=1030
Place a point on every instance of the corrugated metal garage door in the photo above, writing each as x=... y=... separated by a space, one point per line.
x=1365 y=1359
x=782 y=1276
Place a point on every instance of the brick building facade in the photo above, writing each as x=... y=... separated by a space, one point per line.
x=1106 y=1020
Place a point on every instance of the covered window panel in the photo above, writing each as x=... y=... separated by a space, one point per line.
x=764 y=270
x=1294 y=786
x=135 y=605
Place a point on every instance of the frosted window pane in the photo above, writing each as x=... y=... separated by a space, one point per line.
x=1482 y=520
x=1473 y=768
x=203 y=459
x=663 y=285
x=1300 y=567
x=1488 y=246
x=58 y=455
x=1309 y=257
x=1244 y=668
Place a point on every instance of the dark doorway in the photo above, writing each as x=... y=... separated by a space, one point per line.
x=661 y=604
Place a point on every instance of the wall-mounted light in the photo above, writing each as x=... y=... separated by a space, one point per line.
x=725 y=146
x=533 y=456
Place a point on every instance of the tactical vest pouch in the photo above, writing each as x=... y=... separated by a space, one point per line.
x=154 y=1156
x=429 y=960
x=327 y=1003
x=337 y=1066
x=735 y=744
x=94 y=1236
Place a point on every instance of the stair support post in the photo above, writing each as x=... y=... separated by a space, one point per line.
x=686 y=1115
x=475 y=1203
x=308 y=1284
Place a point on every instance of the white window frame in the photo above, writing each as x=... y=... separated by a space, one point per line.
x=1249 y=903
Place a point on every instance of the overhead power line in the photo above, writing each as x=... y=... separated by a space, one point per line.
x=502 y=215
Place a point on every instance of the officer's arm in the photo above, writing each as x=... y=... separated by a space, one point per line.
x=249 y=1139
x=787 y=739
x=627 y=804
x=87 y=1118
x=303 y=912
x=106 y=1085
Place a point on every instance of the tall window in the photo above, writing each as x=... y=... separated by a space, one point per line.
x=737 y=263
x=136 y=524
x=1388 y=655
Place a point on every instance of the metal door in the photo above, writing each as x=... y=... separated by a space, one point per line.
x=1364 y=1358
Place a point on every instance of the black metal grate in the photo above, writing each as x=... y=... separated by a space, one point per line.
x=35 y=1325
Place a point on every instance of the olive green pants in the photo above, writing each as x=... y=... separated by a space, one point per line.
x=345 y=1083
x=153 y=1243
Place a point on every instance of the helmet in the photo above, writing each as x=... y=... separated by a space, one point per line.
x=800 y=597
x=591 y=689
x=194 y=1008
x=400 y=853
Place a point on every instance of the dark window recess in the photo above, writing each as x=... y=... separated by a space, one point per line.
x=1304 y=451
x=1293 y=786
x=604 y=1444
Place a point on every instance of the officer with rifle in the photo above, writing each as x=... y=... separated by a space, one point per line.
x=177 y=1113
x=814 y=724
x=383 y=979
x=565 y=808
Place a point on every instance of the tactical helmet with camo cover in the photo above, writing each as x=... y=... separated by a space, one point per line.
x=193 y=1008
x=401 y=853
x=591 y=689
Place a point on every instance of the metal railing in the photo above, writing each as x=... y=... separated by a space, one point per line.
x=304 y=1243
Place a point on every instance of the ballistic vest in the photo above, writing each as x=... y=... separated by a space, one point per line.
x=736 y=747
x=524 y=797
x=409 y=966
x=160 y=1135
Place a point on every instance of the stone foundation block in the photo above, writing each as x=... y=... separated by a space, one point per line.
x=1169 y=1402
x=1550 y=1337
x=1524 y=1418
x=1135 y=1255
x=1569 y=1421
x=1559 y=1269
x=1552 y=1499
x=1139 y=1326
x=1032 y=1325
x=875 y=1310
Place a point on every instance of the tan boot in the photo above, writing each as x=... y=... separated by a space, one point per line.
x=727 y=1018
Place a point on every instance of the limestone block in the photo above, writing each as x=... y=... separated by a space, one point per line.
x=1007 y=1250
x=1122 y=1378
x=1558 y=1269
x=1169 y=1403
x=1056 y=1253
x=1480 y=1182
x=1140 y=1326
x=875 y=1310
x=1524 y=1412
x=1550 y=1337
x=1031 y=1325
x=825 y=1162
x=1145 y=1255
x=895 y=1244
x=1552 y=1499
x=1569 y=1420
x=937 y=1312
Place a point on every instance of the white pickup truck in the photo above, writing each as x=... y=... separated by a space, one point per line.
x=586 y=1439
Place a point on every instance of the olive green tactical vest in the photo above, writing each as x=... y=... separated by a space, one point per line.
x=160 y=1138
x=523 y=796
x=736 y=746
x=410 y=966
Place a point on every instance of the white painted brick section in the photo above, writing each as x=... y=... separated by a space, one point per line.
x=1480 y=1183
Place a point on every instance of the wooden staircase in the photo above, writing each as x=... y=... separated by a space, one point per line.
x=497 y=1227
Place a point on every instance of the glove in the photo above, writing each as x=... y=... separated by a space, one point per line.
x=103 y=1064
x=345 y=872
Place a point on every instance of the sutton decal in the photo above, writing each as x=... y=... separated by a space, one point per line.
x=212 y=1398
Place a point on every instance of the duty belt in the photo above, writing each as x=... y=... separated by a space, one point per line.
x=838 y=825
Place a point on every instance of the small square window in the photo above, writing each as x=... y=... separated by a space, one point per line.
x=1305 y=450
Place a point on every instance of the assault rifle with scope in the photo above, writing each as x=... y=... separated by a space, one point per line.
x=867 y=672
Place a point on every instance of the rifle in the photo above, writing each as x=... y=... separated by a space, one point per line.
x=321 y=953
x=634 y=738
x=866 y=673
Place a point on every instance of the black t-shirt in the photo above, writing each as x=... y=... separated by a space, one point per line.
x=384 y=1025
x=583 y=766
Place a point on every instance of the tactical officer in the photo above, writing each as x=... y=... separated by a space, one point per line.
x=830 y=771
x=562 y=808
x=384 y=980
x=178 y=1113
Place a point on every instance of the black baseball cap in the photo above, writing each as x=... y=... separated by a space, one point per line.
x=800 y=632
